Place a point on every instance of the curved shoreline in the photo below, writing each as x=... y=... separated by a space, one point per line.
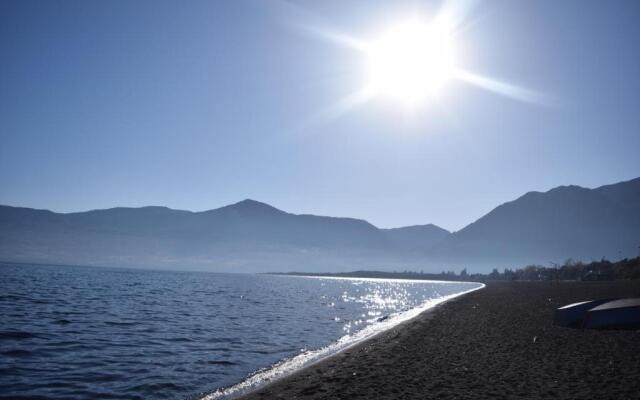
x=499 y=342
x=291 y=366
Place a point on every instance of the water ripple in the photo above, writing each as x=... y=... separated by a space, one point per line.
x=99 y=333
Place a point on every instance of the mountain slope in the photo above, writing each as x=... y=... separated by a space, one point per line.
x=565 y=222
x=416 y=237
x=246 y=236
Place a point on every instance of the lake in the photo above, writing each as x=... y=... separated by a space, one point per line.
x=107 y=333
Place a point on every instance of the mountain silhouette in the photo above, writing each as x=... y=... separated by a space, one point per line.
x=564 y=222
x=249 y=236
x=245 y=236
x=416 y=237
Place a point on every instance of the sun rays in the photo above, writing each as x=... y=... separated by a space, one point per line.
x=412 y=61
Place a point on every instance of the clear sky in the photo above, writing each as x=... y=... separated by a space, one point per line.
x=195 y=105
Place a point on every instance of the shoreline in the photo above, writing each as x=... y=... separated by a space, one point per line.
x=294 y=365
x=499 y=342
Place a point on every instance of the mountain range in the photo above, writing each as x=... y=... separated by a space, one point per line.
x=250 y=236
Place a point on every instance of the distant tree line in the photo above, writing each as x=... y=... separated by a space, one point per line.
x=602 y=270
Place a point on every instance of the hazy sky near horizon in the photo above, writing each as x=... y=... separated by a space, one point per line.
x=197 y=105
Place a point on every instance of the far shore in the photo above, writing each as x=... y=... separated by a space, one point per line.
x=499 y=342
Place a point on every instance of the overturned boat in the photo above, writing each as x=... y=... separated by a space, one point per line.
x=600 y=314
x=617 y=314
x=573 y=315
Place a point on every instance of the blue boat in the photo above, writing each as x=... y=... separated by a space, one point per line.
x=573 y=315
x=617 y=314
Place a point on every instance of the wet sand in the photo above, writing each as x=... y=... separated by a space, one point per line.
x=497 y=343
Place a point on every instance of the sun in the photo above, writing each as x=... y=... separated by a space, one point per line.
x=413 y=61
x=410 y=62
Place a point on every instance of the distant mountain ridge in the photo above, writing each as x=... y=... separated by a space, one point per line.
x=564 y=222
x=249 y=236
x=416 y=237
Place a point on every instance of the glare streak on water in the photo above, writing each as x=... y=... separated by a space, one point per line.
x=88 y=333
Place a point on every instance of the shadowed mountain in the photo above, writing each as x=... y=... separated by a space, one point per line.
x=246 y=236
x=565 y=222
x=416 y=237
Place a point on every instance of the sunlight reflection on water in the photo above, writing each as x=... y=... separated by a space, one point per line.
x=100 y=332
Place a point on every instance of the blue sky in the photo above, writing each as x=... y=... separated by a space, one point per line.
x=200 y=104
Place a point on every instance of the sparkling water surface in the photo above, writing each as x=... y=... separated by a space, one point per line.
x=106 y=333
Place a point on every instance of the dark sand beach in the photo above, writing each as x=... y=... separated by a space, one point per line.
x=499 y=342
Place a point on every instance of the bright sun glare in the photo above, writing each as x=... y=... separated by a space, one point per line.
x=410 y=62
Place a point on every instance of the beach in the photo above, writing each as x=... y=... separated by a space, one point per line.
x=498 y=342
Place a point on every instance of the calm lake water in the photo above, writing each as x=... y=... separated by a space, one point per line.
x=104 y=333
